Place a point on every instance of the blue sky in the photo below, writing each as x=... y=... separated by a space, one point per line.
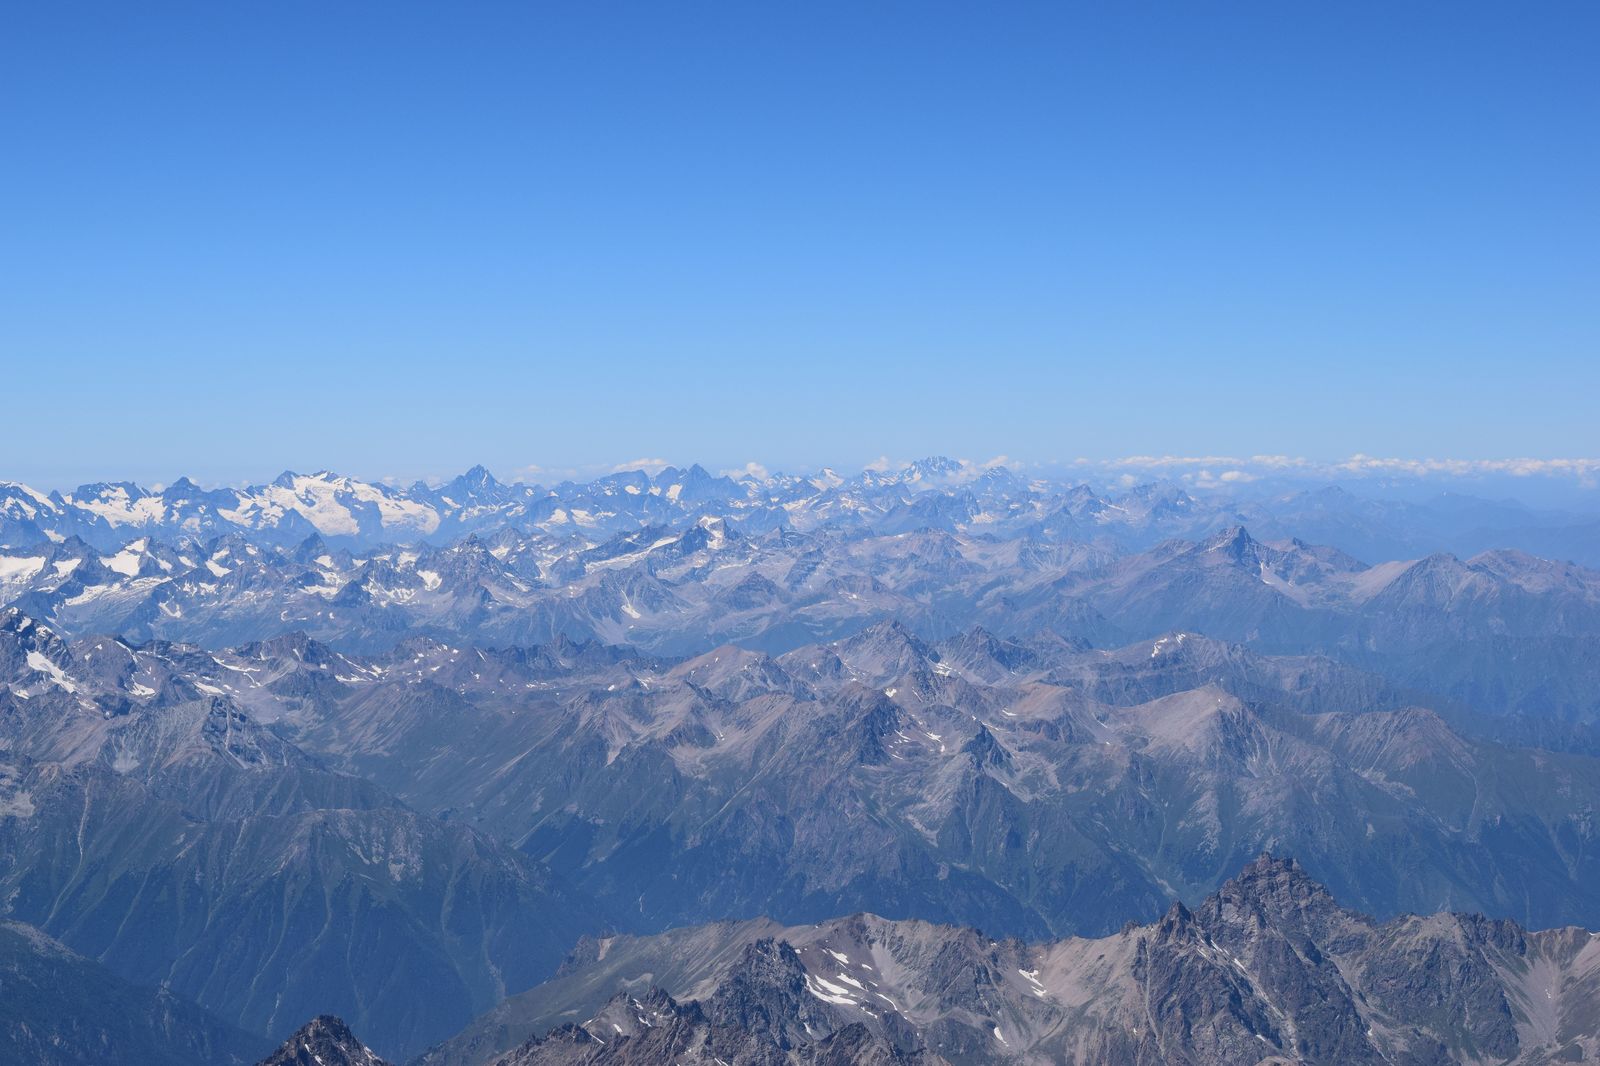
x=399 y=239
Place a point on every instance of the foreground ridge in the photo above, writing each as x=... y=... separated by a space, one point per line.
x=1270 y=968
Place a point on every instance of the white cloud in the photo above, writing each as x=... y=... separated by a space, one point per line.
x=1212 y=470
x=1205 y=479
x=1584 y=469
x=535 y=474
x=649 y=466
x=751 y=469
x=1164 y=462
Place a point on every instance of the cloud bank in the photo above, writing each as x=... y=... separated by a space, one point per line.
x=1216 y=471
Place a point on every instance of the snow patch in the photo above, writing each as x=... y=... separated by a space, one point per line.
x=44 y=666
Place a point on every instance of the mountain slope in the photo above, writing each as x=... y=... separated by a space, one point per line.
x=58 y=1008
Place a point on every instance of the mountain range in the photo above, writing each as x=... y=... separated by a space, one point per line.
x=1269 y=969
x=935 y=492
x=1498 y=637
x=335 y=751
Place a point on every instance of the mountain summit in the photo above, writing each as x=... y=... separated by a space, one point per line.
x=323 y=1041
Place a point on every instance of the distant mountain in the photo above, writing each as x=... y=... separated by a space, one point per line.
x=58 y=1008
x=1501 y=634
x=1269 y=969
x=937 y=492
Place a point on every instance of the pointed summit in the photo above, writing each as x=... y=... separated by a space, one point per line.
x=885 y=652
x=1234 y=543
x=1273 y=891
x=323 y=1041
x=769 y=994
x=477 y=480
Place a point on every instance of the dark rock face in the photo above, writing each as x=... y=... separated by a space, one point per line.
x=766 y=996
x=323 y=1041
x=1269 y=969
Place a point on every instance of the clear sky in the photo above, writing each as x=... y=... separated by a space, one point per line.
x=397 y=239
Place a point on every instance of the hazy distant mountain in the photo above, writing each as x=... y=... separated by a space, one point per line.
x=1269 y=969
x=1500 y=633
x=937 y=493
x=58 y=1008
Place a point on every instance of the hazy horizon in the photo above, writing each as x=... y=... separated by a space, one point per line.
x=1535 y=482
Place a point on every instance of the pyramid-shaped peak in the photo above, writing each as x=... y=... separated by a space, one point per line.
x=1274 y=887
x=323 y=1041
x=889 y=631
x=1235 y=542
x=478 y=478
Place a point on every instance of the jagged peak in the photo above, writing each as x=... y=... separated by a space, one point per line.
x=766 y=993
x=1235 y=542
x=476 y=479
x=24 y=626
x=1177 y=923
x=324 y=1041
x=888 y=629
x=1272 y=887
